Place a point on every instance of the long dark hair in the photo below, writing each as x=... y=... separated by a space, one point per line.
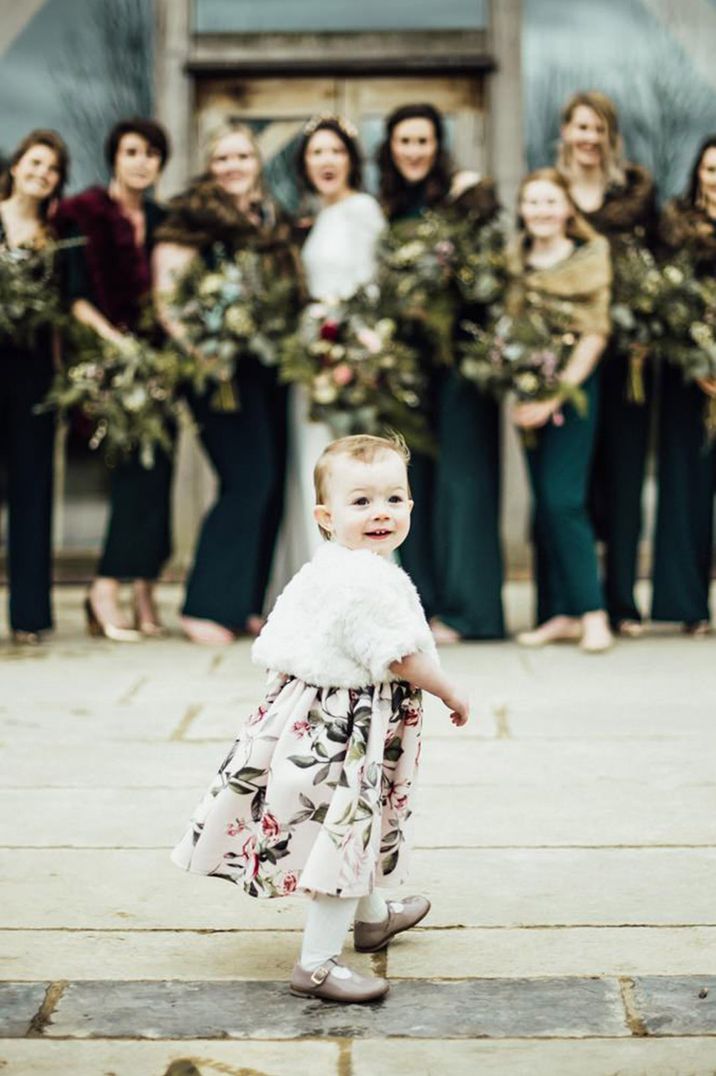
x=348 y=136
x=692 y=193
x=39 y=137
x=395 y=191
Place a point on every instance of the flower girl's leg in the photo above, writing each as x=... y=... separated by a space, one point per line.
x=326 y=930
x=372 y=909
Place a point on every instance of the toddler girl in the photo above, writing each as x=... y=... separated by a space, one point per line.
x=315 y=793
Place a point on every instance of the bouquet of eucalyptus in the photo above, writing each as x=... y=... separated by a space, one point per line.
x=239 y=307
x=359 y=377
x=416 y=262
x=29 y=291
x=127 y=391
x=687 y=313
x=479 y=265
x=524 y=354
x=636 y=289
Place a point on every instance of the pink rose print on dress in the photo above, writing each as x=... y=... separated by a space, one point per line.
x=411 y=717
x=257 y=716
x=234 y=828
x=289 y=883
x=251 y=860
x=270 y=826
x=301 y=728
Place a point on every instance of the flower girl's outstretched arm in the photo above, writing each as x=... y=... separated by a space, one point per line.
x=423 y=672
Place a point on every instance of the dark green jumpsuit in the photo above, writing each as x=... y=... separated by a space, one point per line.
x=247 y=446
x=684 y=547
x=622 y=432
x=453 y=552
x=560 y=456
x=27 y=455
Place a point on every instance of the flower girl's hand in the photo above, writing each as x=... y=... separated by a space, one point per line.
x=459 y=707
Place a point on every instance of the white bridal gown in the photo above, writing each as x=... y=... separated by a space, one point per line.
x=338 y=256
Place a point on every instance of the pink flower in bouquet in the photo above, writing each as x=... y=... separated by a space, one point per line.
x=444 y=251
x=330 y=329
x=270 y=826
x=342 y=374
x=370 y=340
x=558 y=419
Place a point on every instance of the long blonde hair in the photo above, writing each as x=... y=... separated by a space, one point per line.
x=577 y=226
x=223 y=130
x=613 y=162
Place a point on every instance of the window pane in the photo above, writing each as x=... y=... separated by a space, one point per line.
x=309 y=16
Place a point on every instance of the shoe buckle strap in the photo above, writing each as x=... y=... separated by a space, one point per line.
x=320 y=975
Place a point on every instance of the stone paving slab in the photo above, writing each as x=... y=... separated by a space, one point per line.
x=265 y=954
x=45 y=1057
x=571 y=1008
x=677 y=1006
x=35 y=726
x=18 y=1004
x=595 y=1057
x=574 y=813
x=508 y=887
x=617 y=951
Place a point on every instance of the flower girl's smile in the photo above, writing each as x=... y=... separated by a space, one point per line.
x=367 y=505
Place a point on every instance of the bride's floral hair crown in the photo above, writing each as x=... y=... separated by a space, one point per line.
x=330 y=119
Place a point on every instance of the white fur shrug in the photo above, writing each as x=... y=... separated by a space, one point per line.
x=343 y=619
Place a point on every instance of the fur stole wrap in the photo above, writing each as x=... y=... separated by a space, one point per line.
x=684 y=227
x=118 y=269
x=205 y=215
x=579 y=286
x=478 y=201
x=627 y=208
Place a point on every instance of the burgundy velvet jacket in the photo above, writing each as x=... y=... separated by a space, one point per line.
x=110 y=270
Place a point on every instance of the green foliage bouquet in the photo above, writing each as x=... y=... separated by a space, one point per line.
x=479 y=264
x=126 y=390
x=238 y=307
x=636 y=292
x=416 y=260
x=360 y=378
x=29 y=291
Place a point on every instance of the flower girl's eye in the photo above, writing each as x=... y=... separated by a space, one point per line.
x=360 y=501
x=396 y=499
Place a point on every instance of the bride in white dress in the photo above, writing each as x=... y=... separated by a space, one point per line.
x=338 y=256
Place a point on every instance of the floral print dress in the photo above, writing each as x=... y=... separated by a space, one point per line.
x=314 y=794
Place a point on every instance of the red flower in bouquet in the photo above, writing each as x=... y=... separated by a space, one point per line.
x=330 y=330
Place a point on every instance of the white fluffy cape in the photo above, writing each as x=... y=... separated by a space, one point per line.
x=343 y=619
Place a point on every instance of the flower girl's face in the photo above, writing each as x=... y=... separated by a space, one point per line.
x=414 y=147
x=545 y=209
x=328 y=165
x=37 y=173
x=368 y=504
x=235 y=165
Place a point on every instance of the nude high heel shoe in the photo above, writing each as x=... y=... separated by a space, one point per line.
x=99 y=630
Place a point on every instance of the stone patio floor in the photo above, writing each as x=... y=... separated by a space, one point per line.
x=566 y=837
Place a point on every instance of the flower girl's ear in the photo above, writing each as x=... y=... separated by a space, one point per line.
x=322 y=516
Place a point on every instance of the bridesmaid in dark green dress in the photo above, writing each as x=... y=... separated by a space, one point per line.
x=457 y=568
x=618 y=199
x=227 y=208
x=33 y=180
x=559 y=264
x=683 y=554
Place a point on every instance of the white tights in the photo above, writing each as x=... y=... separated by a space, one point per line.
x=327 y=924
